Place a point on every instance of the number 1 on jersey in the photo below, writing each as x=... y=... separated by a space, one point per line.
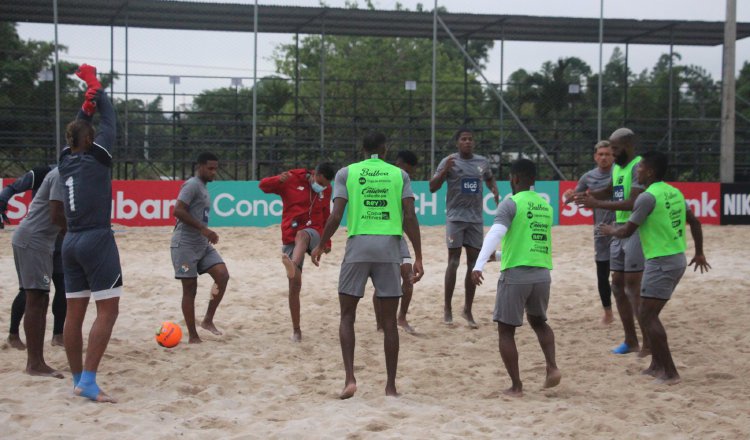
x=71 y=193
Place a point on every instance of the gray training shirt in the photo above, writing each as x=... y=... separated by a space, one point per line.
x=595 y=180
x=371 y=248
x=465 y=182
x=36 y=230
x=643 y=207
x=194 y=194
x=521 y=274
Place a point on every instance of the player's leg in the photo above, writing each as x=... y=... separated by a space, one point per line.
x=73 y=332
x=185 y=264
x=536 y=313
x=16 y=316
x=634 y=265
x=58 y=308
x=220 y=275
x=385 y=278
x=470 y=288
x=509 y=308
x=605 y=290
x=407 y=288
x=352 y=280
x=454 y=260
x=34 y=325
x=624 y=308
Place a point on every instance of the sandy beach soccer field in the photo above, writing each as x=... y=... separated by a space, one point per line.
x=254 y=383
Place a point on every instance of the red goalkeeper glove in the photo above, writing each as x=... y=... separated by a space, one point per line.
x=89 y=103
x=88 y=74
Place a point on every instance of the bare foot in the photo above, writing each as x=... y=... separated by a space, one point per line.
x=514 y=392
x=291 y=268
x=195 y=340
x=209 y=325
x=447 y=317
x=608 y=317
x=653 y=372
x=469 y=319
x=664 y=380
x=57 y=340
x=43 y=370
x=102 y=397
x=15 y=342
x=297 y=335
x=644 y=352
x=348 y=391
x=391 y=391
x=553 y=378
x=405 y=325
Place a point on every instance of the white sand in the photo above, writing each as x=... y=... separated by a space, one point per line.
x=254 y=383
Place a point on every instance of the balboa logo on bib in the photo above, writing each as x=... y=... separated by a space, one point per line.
x=470 y=185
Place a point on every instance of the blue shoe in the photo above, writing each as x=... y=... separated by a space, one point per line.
x=621 y=349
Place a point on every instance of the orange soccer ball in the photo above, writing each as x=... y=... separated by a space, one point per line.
x=169 y=334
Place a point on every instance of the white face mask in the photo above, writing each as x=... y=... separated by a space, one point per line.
x=318 y=188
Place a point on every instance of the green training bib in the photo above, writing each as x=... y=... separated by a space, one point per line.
x=663 y=231
x=622 y=181
x=528 y=241
x=374 y=188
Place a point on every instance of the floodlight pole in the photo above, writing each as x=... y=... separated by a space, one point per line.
x=601 y=79
x=57 y=88
x=434 y=86
x=500 y=97
x=255 y=91
x=726 y=168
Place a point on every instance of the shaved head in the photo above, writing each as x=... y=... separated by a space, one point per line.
x=622 y=134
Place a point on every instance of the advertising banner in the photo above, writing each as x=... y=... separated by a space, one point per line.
x=735 y=203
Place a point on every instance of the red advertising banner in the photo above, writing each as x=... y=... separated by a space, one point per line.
x=703 y=198
x=571 y=214
x=134 y=202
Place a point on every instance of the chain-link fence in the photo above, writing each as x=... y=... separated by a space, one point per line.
x=300 y=123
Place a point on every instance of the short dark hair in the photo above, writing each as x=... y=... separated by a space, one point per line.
x=76 y=131
x=373 y=141
x=327 y=169
x=462 y=129
x=408 y=157
x=204 y=157
x=523 y=168
x=657 y=161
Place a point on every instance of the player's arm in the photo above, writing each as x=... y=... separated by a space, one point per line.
x=57 y=215
x=623 y=231
x=273 y=184
x=411 y=228
x=642 y=208
x=334 y=220
x=590 y=200
x=441 y=174
x=28 y=181
x=492 y=186
x=182 y=213
x=580 y=187
x=490 y=243
x=696 y=230
x=326 y=215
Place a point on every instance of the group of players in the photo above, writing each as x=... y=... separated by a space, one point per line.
x=74 y=200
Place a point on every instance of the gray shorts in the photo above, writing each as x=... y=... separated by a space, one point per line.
x=189 y=261
x=33 y=267
x=386 y=277
x=91 y=263
x=659 y=282
x=513 y=299
x=601 y=247
x=404 y=251
x=288 y=249
x=626 y=254
x=460 y=234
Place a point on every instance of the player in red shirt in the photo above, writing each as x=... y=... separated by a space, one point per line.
x=306 y=195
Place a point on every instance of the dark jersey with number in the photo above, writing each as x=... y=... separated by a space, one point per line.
x=87 y=175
